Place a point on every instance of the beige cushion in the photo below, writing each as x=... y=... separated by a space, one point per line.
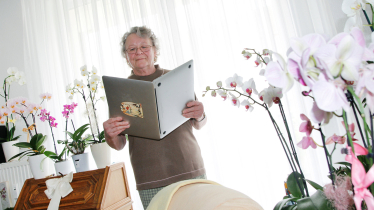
x=202 y=196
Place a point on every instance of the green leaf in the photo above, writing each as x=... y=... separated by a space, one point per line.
x=315 y=185
x=49 y=153
x=40 y=141
x=317 y=201
x=23 y=145
x=293 y=183
x=283 y=202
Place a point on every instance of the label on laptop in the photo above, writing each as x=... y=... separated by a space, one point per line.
x=132 y=109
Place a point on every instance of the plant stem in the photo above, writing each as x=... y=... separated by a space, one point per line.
x=354 y=107
x=327 y=155
x=292 y=145
x=367 y=19
x=53 y=137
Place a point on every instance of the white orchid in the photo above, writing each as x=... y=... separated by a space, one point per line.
x=271 y=95
x=276 y=74
x=352 y=9
x=12 y=70
x=223 y=94
x=234 y=100
x=78 y=84
x=235 y=81
x=248 y=106
x=94 y=70
x=249 y=87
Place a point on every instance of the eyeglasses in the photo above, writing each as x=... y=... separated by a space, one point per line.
x=144 y=48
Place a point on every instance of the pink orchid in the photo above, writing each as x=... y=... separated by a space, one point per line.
x=360 y=179
x=335 y=139
x=276 y=74
x=43 y=118
x=306 y=126
x=351 y=128
x=53 y=124
x=306 y=142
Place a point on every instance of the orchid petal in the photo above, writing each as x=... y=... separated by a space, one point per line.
x=358 y=35
x=345 y=48
x=298 y=45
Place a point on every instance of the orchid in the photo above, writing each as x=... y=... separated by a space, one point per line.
x=306 y=142
x=46 y=96
x=223 y=94
x=249 y=87
x=306 y=126
x=247 y=105
x=272 y=95
x=352 y=9
x=234 y=100
x=319 y=116
x=235 y=81
x=335 y=139
x=277 y=75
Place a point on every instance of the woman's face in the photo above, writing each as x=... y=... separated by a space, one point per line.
x=140 y=60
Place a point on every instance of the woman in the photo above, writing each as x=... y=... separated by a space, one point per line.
x=176 y=157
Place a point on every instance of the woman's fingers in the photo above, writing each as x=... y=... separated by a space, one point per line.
x=115 y=126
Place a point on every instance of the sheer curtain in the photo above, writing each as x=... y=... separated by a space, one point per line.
x=240 y=149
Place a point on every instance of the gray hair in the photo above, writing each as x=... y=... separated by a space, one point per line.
x=140 y=31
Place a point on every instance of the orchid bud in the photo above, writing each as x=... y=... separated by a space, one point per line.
x=214 y=94
x=265 y=52
x=219 y=84
x=207 y=88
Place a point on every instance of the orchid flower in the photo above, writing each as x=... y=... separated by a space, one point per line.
x=365 y=86
x=329 y=95
x=306 y=126
x=351 y=128
x=276 y=74
x=343 y=56
x=319 y=116
x=12 y=70
x=78 y=83
x=352 y=9
x=335 y=139
x=246 y=54
x=249 y=87
x=235 y=81
x=94 y=70
x=306 y=142
x=214 y=93
x=235 y=101
x=360 y=179
x=247 y=105
x=258 y=61
x=223 y=94
x=219 y=84
x=270 y=95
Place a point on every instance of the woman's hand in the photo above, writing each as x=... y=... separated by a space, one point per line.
x=112 y=128
x=195 y=109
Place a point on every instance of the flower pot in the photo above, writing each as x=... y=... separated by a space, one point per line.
x=102 y=154
x=64 y=167
x=39 y=166
x=9 y=149
x=81 y=162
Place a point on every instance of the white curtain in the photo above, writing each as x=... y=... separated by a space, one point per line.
x=241 y=150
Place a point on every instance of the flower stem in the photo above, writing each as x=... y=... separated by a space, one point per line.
x=329 y=164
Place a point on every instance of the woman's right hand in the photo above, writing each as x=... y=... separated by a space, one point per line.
x=112 y=128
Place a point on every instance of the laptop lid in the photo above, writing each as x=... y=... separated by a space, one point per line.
x=173 y=91
x=153 y=109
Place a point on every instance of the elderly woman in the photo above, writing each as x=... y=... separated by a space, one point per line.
x=176 y=157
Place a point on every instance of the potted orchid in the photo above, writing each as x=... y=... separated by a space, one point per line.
x=89 y=92
x=338 y=78
x=77 y=146
x=7 y=118
x=25 y=110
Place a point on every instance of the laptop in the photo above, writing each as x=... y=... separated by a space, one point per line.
x=154 y=109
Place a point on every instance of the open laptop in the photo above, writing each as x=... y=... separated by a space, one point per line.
x=154 y=109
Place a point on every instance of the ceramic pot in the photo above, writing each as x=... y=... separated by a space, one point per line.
x=10 y=150
x=64 y=167
x=102 y=154
x=81 y=162
x=39 y=166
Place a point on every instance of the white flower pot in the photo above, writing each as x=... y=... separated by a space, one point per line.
x=39 y=166
x=9 y=149
x=64 y=167
x=102 y=154
x=81 y=162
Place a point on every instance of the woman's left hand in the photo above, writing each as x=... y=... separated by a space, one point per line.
x=195 y=109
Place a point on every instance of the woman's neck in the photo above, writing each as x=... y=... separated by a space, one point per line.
x=145 y=71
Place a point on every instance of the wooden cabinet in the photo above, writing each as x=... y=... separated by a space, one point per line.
x=105 y=188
